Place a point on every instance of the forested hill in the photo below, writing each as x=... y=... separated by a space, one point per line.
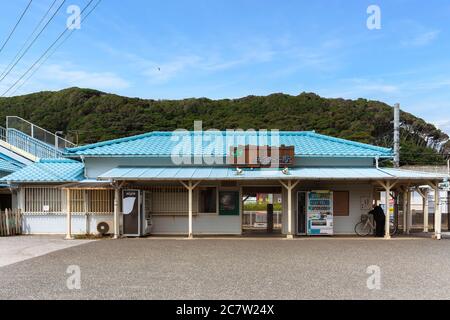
x=96 y=116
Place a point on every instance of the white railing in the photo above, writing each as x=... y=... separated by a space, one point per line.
x=258 y=219
x=38 y=133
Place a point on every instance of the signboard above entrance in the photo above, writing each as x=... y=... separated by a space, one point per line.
x=251 y=156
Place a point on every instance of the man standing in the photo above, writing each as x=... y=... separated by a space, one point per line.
x=380 y=220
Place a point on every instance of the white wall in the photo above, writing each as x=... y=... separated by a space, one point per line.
x=56 y=224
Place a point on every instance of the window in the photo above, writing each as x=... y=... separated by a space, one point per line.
x=42 y=200
x=92 y=201
x=341 y=203
x=169 y=200
x=207 y=200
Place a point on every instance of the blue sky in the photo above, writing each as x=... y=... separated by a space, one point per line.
x=226 y=49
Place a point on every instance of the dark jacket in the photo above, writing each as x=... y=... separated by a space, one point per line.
x=378 y=214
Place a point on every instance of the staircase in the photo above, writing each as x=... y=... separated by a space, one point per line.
x=31 y=142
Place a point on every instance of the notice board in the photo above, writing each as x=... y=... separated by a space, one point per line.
x=229 y=203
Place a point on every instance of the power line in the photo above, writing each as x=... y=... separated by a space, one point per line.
x=29 y=37
x=32 y=42
x=50 y=47
x=15 y=26
x=52 y=52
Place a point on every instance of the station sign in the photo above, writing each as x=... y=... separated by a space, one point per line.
x=251 y=156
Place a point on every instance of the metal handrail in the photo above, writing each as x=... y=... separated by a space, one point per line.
x=57 y=139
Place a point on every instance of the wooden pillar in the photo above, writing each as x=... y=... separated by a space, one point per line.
x=425 y=210
x=116 y=213
x=190 y=187
x=289 y=187
x=387 y=234
x=409 y=220
x=405 y=212
x=437 y=213
x=68 y=217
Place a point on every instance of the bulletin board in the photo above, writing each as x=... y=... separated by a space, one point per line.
x=229 y=203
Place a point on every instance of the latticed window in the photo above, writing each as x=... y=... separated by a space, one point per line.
x=41 y=200
x=169 y=200
x=92 y=201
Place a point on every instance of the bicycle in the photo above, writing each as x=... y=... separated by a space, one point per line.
x=366 y=226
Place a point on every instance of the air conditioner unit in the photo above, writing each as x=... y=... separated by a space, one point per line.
x=105 y=227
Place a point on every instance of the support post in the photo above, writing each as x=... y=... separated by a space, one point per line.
x=190 y=235
x=190 y=187
x=387 y=234
x=116 y=213
x=437 y=213
x=409 y=220
x=405 y=212
x=289 y=187
x=68 y=217
x=425 y=210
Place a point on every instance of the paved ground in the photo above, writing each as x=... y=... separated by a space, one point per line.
x=236 y=269
x=15 y=249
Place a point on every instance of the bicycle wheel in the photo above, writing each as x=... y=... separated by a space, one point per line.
x=392 y=228
x=362 y=229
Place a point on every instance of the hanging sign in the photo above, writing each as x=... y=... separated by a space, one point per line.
x=251 y=156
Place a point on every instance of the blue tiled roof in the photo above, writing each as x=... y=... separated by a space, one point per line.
x=205 y=173
x=8 y=166
x=307 y=144
x=48 y=170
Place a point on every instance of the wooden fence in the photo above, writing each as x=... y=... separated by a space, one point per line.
x=10 y=222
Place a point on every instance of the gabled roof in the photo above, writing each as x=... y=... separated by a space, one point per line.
x=163 y=144
x=48 y=170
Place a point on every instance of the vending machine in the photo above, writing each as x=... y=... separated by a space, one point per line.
x=320 y=213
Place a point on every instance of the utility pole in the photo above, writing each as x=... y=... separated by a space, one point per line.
x=397 y=135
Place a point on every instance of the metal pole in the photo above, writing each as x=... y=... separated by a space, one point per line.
x=397 y=135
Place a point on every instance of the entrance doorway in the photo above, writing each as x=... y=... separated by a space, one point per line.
x=262 y=211
x=5 y=201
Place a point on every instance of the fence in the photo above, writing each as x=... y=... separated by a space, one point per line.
x=258 y=219
x=10 y=222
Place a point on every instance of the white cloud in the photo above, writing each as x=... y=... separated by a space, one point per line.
x=68 y=76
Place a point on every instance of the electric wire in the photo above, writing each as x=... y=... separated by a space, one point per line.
x=29 y=37
x=50 y=47
x=32 y=42
x=16 y=25
x=51 y=53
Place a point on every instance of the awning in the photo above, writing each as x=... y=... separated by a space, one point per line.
x=88 y=184
x=219 y=173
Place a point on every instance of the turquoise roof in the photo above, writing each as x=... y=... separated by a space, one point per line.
x=162 y=144
x=48 y=170
x=315 y=174
x=8 y=166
